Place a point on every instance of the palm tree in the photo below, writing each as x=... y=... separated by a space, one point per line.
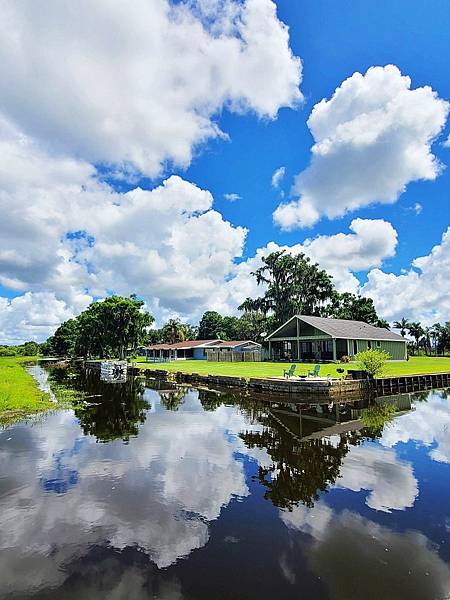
x=427 y=334
x=174 y=331
x=416 y=331
x=403 y=325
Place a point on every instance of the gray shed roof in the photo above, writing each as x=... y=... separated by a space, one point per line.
x=344 y=328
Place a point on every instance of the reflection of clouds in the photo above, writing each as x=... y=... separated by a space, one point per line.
x=357 y=558
x=313 y=521
x=390 y=480
x=428 y=424
x=157 y=493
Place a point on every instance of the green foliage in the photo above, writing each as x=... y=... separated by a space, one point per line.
x=8 y=351
x=210 y=325
x=403 y=325
x=231 y=328
x=372 y=361
x=377 y=416
x=173 y=331
x=294 y=285
x=64 y=339
x=356 y=308
x=105 y=329
x=415 y=330
x=109 y=327
x=26 y=349
x=252 y=326
x=249 y=326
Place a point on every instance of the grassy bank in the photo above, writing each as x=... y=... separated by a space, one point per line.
x=415 y=366
x=19 y=393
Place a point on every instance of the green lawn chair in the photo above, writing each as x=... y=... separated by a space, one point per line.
x=315 y=372
x=290 y=372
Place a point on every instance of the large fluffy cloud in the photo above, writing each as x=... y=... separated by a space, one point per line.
x=421 y=293
x=133 y=88
x=371 y=139
x=369 y=242
x=69 y=237
x=139 y=84
x=72 y=237
x=31 y=316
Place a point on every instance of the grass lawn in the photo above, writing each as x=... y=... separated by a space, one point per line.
x=19 y=393
x=415 y=365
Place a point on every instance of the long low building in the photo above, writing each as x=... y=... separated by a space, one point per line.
x=196 y=349
x=324 y=339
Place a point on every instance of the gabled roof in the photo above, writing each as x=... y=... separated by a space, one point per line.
x=184 y=345
x=344 y=328
x=235 y=344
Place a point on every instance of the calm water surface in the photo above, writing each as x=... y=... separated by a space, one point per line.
x=178 y=494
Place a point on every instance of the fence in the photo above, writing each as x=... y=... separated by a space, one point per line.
x=248 y=356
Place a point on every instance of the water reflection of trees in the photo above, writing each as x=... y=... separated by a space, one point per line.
x=172 y=399
x=299 y=470
x=106 y=411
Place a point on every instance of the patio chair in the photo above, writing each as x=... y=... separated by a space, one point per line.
x=290 y=372
x=315 y=372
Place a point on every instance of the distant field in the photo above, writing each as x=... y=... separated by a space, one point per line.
x=19 y=394
x=415 y=365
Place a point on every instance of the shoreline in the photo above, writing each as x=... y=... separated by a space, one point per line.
x=20 y=395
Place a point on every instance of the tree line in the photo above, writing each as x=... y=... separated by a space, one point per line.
x=105 y=329
x=289 y=285
x=427 y=340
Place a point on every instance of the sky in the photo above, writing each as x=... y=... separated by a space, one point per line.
x=163 y=148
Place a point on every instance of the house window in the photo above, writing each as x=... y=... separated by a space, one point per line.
x=378 y=344
x=355 y=347
x=369 y=345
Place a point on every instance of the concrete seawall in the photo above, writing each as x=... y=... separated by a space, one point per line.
x=297 y=388
x=323 y=388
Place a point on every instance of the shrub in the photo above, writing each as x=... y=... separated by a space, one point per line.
x=345 y=359
x=372 y=361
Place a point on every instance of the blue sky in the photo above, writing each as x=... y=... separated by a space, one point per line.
x=91 y=113
x=334 y=40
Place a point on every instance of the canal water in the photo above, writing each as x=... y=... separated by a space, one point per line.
x=177 y=493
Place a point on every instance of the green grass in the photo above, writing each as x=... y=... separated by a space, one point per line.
x=19 y=393
x=415 y=366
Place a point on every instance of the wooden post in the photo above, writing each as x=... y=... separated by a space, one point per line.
x=299 y=356
x=270 y=350
x=334 y=349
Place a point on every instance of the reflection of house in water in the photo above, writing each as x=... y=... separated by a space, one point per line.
x=315 y=421
x=307 y=444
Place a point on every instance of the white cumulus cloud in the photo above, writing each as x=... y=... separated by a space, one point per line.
x=277 y=176
x=421 y=293
x=139 y=84
x=72 y=237
x=371 y=139
x=368 y=244
x=232 y=197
